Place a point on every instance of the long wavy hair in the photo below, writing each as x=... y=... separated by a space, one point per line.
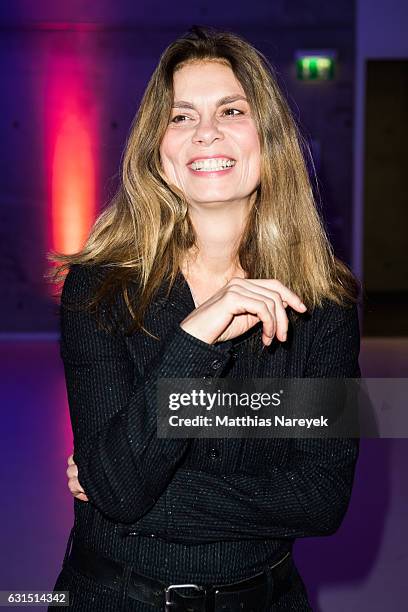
x=145 y=231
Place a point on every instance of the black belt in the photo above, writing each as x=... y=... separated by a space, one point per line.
x=248 y=595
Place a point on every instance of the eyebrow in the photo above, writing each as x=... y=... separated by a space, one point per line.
x=220 y=102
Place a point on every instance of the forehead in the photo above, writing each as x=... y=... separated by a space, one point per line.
x=206 y=78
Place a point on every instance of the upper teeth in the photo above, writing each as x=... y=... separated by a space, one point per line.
x=212 y=164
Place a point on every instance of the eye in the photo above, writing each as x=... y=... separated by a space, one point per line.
x=229 y=111
x=177 y=117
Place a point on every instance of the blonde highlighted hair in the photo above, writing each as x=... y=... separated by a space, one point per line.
x=145 y=232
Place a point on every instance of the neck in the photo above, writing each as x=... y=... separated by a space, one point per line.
x=218 y=232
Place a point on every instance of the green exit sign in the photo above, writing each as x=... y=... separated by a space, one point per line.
x=315 y=65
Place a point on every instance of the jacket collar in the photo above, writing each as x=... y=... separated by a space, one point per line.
x=179 y=298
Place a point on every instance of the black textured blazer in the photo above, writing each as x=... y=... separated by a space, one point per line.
x=208 y=510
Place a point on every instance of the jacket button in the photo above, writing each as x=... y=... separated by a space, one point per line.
x=213 y=453
x=216 y=364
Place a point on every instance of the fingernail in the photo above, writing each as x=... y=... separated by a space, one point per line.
x=284 y=336
x=302 y=305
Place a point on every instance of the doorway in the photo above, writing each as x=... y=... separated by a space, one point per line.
x=385 y=250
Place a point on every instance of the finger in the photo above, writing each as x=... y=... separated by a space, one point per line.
x=291 y=298
x=282 y=321
x=72 y=471
x=82 y=497
x=266 y=339
x=281 y=317
x=268 y=332
x=77 y=491
x=75 y=486
x=71 y=460
x=243 y=303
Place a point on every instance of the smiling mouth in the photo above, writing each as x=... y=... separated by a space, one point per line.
x=212 y=165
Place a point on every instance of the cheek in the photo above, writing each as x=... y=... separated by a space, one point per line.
x=256 y=155
x=171 y=160
x=253 y=144
x=248 y=142
x=165 y=150
x=252 y=151
x=168 y=156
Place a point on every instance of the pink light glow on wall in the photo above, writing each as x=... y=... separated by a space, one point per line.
x=71 y=166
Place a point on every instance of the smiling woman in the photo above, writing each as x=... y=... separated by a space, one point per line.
x=203 y=266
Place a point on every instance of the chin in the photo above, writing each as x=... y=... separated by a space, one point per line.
x=214 y=196
x=214 y=200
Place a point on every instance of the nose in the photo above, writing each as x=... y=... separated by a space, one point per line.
x=206 y=132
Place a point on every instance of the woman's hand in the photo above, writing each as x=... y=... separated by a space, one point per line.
x=241 y=304
x=73 y=482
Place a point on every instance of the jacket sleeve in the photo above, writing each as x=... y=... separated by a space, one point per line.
x=306 y=497
x=122 y=465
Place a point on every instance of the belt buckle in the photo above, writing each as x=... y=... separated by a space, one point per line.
x=168 y=590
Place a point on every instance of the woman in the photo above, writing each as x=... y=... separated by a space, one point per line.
x=211 y=261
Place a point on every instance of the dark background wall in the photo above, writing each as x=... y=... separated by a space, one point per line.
x=112 y=48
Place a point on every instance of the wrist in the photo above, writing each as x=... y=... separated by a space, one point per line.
x=200 y=336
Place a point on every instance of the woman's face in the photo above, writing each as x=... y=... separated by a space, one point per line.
x=211 y=147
